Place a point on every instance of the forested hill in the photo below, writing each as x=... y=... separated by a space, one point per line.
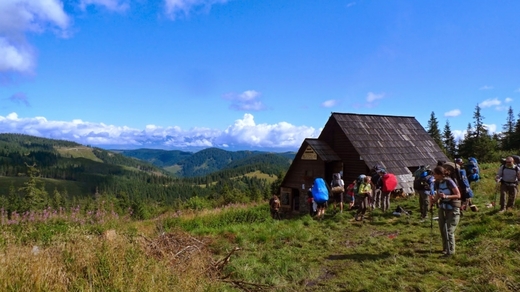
x=158 y=157
x=210 y=160
x=59 y=155
x=36 y=173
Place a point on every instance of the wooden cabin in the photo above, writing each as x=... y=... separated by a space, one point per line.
x=353 y=144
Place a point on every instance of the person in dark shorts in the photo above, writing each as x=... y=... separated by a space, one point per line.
x=337 y=196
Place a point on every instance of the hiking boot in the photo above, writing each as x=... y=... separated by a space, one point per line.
x=474 y=208
x=502 y=211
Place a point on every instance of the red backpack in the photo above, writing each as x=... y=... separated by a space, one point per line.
x=389 y=182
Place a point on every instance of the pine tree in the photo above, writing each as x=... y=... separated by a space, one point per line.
x=509 y=130
x=433 y=130
x=57 y=199
x=449 y=141
x=477 y=142
x=480 y=128
x=13 y=200
x=515 y=140
x=34 y=198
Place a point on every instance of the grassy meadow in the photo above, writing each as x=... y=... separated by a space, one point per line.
x=240 y=248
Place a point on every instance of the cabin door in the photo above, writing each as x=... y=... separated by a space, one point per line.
x=332 y=167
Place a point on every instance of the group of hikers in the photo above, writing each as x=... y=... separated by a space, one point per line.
x=447 y=186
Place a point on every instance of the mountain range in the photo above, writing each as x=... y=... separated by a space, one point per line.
x=207 y=161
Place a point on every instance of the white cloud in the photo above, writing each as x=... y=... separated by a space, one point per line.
x=329 y=103
x=458 y=134
x=18 y=17
x=242 y=134
x=245 y=101
x=371 y=97
x=113 y=5
x=351 y=4
x=174 y=8
x=452 y=113
x=248 y=95
x=281 y=135
x=492 y=128
x=508 y=100
x=486 y=87
x=490 y=103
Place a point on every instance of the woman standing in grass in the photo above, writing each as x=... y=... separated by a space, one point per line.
x=447 y=195
x=364 y=191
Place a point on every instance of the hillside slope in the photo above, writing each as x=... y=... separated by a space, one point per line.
x=210 y=160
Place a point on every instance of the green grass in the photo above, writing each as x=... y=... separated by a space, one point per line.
x=297 y=253
x=174 y=169
x=78 y=152
x=260 y=175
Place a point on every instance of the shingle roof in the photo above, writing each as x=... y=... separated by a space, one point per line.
x=395 y=142
x=323 y=150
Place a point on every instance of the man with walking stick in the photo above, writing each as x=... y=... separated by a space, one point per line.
x=508 y=175
x=447 y=195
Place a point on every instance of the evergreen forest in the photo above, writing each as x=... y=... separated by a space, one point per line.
x=38 y=173
x=477 y=141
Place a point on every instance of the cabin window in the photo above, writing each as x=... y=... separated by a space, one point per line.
x=285 y=197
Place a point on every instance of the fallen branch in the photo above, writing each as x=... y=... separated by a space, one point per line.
x=219 y=265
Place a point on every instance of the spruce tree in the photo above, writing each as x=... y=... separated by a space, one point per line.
x=477 y=141
x=433 y=130
x=449 y=141
x=508 y=131
x=515 y=140
x=34 y=198
x=480 y=128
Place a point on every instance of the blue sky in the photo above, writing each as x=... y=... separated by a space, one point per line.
x=241 y=74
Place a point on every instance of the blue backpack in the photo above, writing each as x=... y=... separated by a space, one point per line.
x=472 y=169
x=320 y=192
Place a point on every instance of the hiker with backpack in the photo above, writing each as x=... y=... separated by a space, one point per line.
x=351 y=194
x=508 y=175
x=447 y=195
x=320 y=193
x=274 y=205
x=364 y=194
x=337 y=188
x=423 y=186
x=388 y=185
x=472 y=170
x=312 y=204
x=464 y=185
x=377 y=184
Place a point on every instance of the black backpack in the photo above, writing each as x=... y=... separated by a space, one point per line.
x=422 y=183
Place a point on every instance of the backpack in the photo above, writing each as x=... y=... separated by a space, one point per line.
x=420 y=171
x=359 y=180
x=320 y=193
x=389 y=182
x=337 y=185
x=422 y=182
x=472 y=169
x=457 y=178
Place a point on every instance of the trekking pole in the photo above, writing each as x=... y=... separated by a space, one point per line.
x=431 y=227
x=447 y=233
x=495 y=197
